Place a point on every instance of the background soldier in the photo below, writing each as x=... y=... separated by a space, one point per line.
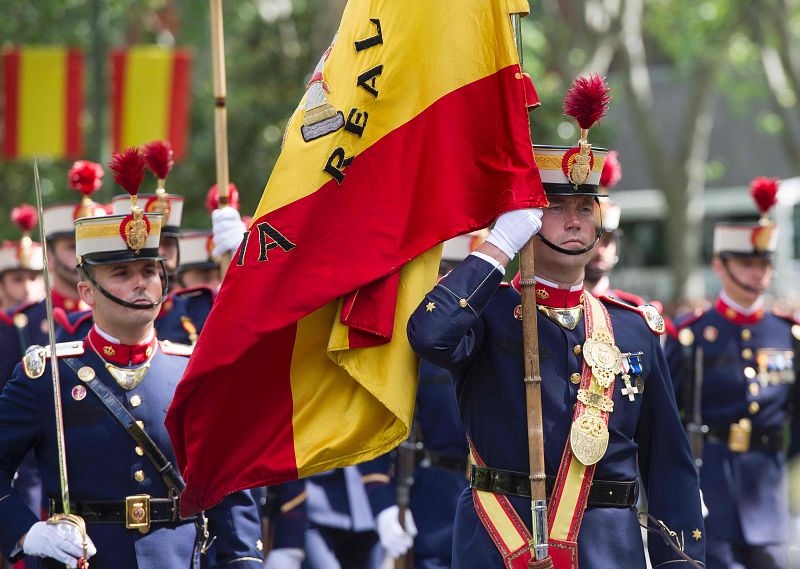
x=735 y=376
x=198 y=267
x=125 y=488
x=470 y=324
x=21 y=263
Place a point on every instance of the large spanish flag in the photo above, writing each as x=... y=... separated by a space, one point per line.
x=414 y=129
x=150 y=95
x=42 y=102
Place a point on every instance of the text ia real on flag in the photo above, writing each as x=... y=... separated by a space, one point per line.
x=414 y=129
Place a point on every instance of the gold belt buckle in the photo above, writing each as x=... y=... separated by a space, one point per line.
x=739 y=436
x=137 y=512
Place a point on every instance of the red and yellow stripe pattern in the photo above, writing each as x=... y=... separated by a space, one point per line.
x=43 y=100
x=305 y=352
x=150 y=96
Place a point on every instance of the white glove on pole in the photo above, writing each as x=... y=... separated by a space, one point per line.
x=285 y=558
x=228 y=229
x=394 y=539
x=515 y=228
x=62 y=542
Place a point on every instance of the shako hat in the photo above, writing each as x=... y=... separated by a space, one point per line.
x=758 y=239
x=25 y=253
x=121 y=238
x=196 y=249
x=576 y=170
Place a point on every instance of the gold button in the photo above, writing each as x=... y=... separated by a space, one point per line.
x=141 y=424
x=463 y=303
x=139 y=451
x=747 y=354
x=575 y=378
x=86 y=374
x=138 y=476
x=754 y=389
x=136 y=401
x=746 y=334
x=749 y=373
x=754 y=407
x=577 y=350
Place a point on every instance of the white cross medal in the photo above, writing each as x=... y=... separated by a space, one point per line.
x=631 y=365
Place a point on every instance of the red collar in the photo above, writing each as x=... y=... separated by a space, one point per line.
x=68 y=304
x=120 y=354
x=553 y=297
x=735 y=316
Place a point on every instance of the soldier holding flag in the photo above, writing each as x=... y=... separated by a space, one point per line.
x=608 y=409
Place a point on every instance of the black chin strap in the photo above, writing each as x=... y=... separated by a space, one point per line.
x=737 y=282
x=586 y=249
x=150 y=305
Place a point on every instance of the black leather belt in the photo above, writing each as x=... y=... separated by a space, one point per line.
x=162 y=511
x=435 y=459
x=602 y=494
x=769 y=440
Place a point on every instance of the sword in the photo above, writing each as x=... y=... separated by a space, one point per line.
x=66 y=517
x=697 y=430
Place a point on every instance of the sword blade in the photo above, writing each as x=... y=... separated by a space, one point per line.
x=62 y=452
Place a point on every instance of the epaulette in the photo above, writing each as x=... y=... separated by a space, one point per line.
x=173 y=349
x=63 y=319
x=18 y=316
x=791 y=320
x=689 y=319
x=35 y=358
x=627 y=297
x=650 y=313
x=191 y=292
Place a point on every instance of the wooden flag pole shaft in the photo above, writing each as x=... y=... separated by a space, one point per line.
x=220 y=111
x=533 y=403
x=540 y=558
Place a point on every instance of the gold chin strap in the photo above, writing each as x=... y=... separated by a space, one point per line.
x=77 y=521
x=565 y=317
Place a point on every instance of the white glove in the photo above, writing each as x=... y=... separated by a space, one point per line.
x=703 y=507
x=285 y=558
x=394 y=539
x=228 y=229
x=61 y=542
x=514 y=228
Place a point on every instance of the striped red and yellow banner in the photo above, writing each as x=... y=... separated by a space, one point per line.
x=150 y=96
x=42 y=102
x=411 y=132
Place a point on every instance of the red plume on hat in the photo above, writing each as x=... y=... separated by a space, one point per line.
x=764 y=192
x=128 y=167
x=212 y=197
x=159 y=157
x=85 y=177
x=612 y=170
x=587 y=100
x=24 y=217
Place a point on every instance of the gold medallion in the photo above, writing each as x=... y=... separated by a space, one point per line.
x=588 y=437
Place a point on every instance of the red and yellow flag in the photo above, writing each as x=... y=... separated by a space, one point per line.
x=150 y=96
x=414 y=129
x=42 y=102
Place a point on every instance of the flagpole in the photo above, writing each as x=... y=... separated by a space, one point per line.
x=220 y=112
x=540 y=558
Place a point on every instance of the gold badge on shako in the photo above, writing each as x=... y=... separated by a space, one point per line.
x=710 y=333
